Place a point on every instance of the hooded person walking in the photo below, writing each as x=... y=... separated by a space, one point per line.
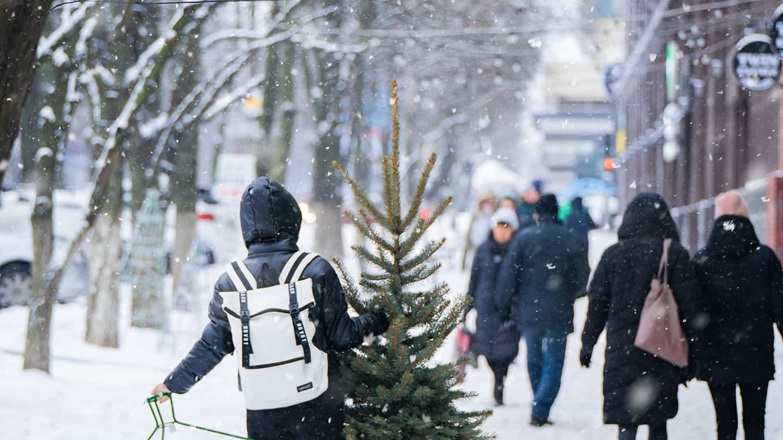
x=579 y=222
x=639 y=388
x=742 y=283
x=495 y=339
x=286 y=336
x=542 y=274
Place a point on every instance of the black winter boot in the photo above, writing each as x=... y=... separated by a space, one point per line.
x=498 y=394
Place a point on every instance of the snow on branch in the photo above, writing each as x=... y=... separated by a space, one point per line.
x=69 y=21
x=93 y=92
x=142 y=65
x=222 y=103
x=279 y=22
x=207 y=87
x=112 y=149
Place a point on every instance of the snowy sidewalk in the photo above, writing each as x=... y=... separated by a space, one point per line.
x=96 y=393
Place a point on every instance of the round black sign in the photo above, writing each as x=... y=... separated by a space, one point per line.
x=776 y=31
x=756 y=63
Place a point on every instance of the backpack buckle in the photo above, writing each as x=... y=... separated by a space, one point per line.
x=244 y=314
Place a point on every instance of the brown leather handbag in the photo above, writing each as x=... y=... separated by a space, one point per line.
x=660 y=329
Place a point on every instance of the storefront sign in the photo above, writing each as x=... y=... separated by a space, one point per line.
x=776 y=31
x=756 y=63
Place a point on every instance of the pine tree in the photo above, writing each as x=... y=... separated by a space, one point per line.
x=397 y=391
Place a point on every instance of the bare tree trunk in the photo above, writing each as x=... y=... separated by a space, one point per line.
x=36 y=353
x=287 y=113
x=103 y=299
x=22 y=23
x=183 y=243
x=265 y=154
x=183 y=189
x=327 y=201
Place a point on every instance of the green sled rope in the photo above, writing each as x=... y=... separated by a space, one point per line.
x=160 y=423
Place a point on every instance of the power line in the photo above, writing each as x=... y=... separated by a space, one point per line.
x=159 y=2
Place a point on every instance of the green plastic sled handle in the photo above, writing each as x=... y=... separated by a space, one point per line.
x=160 y=423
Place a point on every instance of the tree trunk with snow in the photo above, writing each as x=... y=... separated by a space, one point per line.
x=43 y=293
x=265 y=153
x=286 y=113
x=328 y=199
x=183 y=185
x=103 y=299
x=22 y=23
x=103 y=295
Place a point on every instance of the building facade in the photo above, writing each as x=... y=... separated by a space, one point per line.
x=687 y=129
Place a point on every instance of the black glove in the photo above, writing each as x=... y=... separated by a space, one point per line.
x=585 y=355
x=379 y=323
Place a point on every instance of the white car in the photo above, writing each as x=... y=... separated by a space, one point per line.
x=16 y=245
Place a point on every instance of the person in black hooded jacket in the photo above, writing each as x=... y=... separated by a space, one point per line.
x=743 y=288
x=639 y=388
x=271 y=218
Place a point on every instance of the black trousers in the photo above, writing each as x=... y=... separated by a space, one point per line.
x=657 y=432
x=319 y=419
x=499 y=369
x=754 y=402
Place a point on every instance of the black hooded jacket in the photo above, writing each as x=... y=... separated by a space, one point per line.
x=271 y=219
x=742 y=283
x=617 y=293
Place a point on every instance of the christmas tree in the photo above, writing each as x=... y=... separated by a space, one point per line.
x=397 y=390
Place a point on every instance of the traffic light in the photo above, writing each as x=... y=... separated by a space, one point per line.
x=609 y=164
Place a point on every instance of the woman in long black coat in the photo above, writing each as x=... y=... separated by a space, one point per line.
x=742 y=283
x=639 y=388
x=497 y=340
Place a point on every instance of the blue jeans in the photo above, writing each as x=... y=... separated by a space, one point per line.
x=545 y=358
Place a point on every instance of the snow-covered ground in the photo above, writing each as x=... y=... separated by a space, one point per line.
x=95 y=393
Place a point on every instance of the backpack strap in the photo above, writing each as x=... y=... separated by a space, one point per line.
x=292 y=271
x=241 y=276
x=294 y=267
x=243 y=281
x=299 y=332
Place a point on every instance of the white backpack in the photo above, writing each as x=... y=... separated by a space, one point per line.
x=279 y=366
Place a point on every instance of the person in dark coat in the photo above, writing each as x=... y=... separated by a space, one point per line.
x=542 y=274
x=579 y=222
x=742 y=283
x=639 y=388
x=495 y=339
x=271 y=219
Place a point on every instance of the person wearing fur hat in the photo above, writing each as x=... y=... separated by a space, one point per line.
x=495 y=339
x=742 y=283
x=544 y=270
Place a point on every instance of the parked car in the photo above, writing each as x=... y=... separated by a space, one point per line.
x=16 y=245
x=16 y=242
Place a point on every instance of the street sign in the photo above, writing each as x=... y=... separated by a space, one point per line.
x=776 y=31
x=756 y=63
